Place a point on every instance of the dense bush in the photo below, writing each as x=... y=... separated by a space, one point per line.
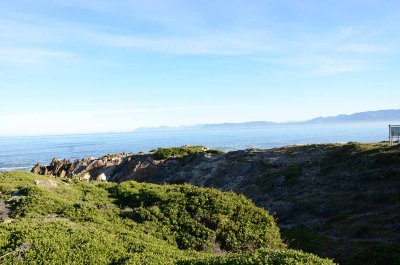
x=200 y=218
x=75 y=223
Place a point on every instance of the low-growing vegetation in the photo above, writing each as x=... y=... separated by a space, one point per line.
x=64 y=221
x=262 y=257
x=306 y=239
x=180 y=152
x=360 y=157
x=289 y=175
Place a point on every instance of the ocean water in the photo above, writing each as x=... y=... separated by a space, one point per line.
x=24 y=152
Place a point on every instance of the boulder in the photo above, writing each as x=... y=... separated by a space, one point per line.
x=37 y=169
x=85 y=177
x=49 y=184
x=62 y=174
x=99 y=163
x=102 y=177
x=56 y=164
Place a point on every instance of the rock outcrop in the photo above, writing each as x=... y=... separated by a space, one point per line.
x=88 y=168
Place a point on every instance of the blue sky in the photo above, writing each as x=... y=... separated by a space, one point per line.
x=108 y=66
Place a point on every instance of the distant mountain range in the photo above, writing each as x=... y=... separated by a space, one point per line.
x=390 y=116
x=368 y=116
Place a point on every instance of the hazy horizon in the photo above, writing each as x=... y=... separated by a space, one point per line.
x=93 y=66
x=192 y=127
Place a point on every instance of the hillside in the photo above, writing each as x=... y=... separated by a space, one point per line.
x=66 y=221
x=336 y=200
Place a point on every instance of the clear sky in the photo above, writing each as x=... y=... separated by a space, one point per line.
x=101 y=66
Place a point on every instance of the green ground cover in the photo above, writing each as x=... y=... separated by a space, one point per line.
x=64 y=221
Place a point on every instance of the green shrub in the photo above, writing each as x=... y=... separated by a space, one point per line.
x=215 y=152
x=200 y=218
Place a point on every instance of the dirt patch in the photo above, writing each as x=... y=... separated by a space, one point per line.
x=4 y=212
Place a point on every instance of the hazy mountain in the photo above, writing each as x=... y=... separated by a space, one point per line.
x=237 y=125
x=210 y=126
x=368 y=116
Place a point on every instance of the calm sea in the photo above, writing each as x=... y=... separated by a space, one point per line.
x=24 y=152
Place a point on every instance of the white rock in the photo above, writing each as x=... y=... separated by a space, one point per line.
x=85 y=177
x=102 y=177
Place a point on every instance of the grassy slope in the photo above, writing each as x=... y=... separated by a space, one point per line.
x=134 y=223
